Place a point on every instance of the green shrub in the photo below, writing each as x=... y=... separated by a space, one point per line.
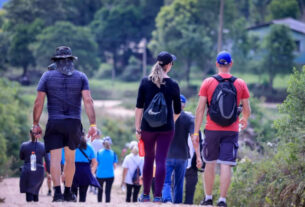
x=278 y=180
x=14 y=125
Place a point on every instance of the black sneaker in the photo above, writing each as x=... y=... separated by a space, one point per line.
x=221 y=203
x=49 y=193
x=58 y=197
x=206 y=202
x=69 y=197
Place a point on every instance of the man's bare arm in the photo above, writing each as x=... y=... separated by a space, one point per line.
x=199 y=113
x=38 y=107
x=88 y=103
x=246 y=113
x=198 y=121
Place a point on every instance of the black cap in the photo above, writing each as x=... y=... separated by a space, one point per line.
x=165 y=58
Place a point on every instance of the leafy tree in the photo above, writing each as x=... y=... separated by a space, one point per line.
x=115 y=28
x=19 y=53
x=14 y=126
x=259 y=10
x=279 y=47
x=27 y=11
x=291 y=126
x=188 y=29
x=284 y=8
x=79 y=39
x=81 y=12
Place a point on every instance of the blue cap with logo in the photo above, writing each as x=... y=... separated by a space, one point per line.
x=224 y=58
x=182 y=98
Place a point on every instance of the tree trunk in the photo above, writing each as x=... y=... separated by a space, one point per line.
x=144 y=58
x=271 y=78
x=114 y=68
x=302 y=9
x=188 y=72
x=219 y=42
x=25 y=70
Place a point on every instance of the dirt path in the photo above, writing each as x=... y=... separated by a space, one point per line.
x=9 y=189
x=113 y=107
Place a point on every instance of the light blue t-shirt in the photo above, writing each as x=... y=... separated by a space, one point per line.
x=106 y=158
x=80 y=157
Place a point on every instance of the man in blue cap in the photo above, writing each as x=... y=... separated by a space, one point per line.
x=178 y=155
x=222 y=93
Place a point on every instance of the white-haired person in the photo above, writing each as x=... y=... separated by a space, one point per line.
x=106 y=159
x=132 y=171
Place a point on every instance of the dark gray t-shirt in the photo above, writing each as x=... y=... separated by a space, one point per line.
x=63 y=93
x=183 y=127
x=27 y=148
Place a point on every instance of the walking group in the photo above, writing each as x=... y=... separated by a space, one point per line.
x=175 y=150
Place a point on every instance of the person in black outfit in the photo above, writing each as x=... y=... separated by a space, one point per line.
x=178 y=154
x=157 y=139
x=31 y=180
x=191 y=174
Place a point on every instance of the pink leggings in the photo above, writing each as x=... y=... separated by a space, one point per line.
x=156 y=145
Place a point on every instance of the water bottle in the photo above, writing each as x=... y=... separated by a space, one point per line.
x=33 y=161
x=141 y=148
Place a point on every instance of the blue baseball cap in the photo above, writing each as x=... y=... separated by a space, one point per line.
x=182 y=98
x=165 y=58
x=224 y=58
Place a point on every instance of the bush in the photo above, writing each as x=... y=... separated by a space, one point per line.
x=13 y=125
x=278 y=180
x=132 y=72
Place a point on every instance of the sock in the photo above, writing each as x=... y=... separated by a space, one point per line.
x=222 y=199
x=67 y=190
x=57 y=189
x=208 y=197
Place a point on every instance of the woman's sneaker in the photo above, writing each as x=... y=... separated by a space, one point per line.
x=144 y=198
x=157 y=200
x=222 y=204
x=208 y=202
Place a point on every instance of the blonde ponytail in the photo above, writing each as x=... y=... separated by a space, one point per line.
x=157 y=74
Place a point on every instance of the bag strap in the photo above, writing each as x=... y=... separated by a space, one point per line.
x=221 y=79
x=84 y=154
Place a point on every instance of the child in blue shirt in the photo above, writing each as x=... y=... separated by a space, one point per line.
x=106 y=159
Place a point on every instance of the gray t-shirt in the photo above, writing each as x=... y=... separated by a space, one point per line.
x=63 y=93
x=183 y=127
x=28 y=147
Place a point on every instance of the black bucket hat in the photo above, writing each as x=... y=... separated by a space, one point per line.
x=63 y=52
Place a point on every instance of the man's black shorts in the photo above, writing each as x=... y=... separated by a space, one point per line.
x=63 y=132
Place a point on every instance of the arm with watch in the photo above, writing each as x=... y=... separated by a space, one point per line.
x=138 y=119
x=37 y=111
x=89 y=107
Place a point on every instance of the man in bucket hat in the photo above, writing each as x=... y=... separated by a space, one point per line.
x=64 y=87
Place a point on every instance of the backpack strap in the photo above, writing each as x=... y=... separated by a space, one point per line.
x=221 y=79
x=218 y=78
x=84 y=154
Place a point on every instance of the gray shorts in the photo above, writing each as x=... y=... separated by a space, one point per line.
x=220 y=147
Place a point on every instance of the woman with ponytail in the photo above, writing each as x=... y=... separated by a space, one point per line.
x=157 y=139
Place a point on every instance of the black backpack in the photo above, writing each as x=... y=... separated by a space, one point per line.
x=156 y=112
x=223 y=107
x=136 y=176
